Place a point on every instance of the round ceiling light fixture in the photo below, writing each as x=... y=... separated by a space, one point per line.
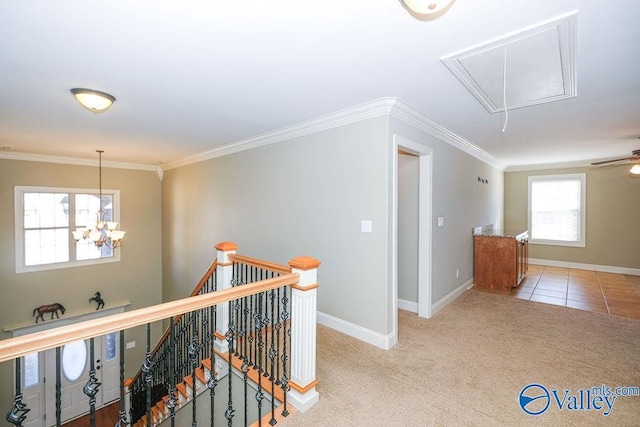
x=427 y=9
x=93 y=100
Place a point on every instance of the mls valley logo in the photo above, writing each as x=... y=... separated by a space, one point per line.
x=535 y=399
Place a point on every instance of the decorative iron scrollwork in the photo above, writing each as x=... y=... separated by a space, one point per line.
x=122 y=422
x=147 y=368
x=92 y=387
x=18 y=412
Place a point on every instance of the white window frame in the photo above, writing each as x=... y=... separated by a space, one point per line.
x=582 y=178
x=19 y=228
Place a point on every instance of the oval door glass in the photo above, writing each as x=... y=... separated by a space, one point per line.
x=74 y=360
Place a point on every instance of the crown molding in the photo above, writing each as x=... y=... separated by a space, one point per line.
x=406 y=113
x=367 y=110
x=387 y=106
x=376 y=108
x=30 y=157
x=544 y=166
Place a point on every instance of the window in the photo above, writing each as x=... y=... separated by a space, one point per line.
x=557 y=209
x=112 y=346
x=31 y=363
x=44 y=219
x=74 y=360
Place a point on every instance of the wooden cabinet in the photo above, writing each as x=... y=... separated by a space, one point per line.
x=501 y=260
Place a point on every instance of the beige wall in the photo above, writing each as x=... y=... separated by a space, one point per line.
x=612 y=217
x=136 y=279
x=462 y=201
x=304 y=196
x=307 y=196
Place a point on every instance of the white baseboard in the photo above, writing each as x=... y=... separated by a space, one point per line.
x=411 y=306
x=385 y=342
x=448 y=299
x=595 y=267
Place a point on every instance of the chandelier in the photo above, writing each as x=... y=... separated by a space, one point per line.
x=103 y=232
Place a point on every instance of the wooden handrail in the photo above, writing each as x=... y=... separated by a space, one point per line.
x=19 y=346
x=205 y=278
x=278 y=268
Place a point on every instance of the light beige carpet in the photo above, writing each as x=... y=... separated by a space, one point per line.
x=468 y=365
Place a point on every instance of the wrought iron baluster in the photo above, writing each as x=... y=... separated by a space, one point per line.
x=18 y=412
x=272 y=357
x=260 y=345
x=92 y=386
x=194 y=349
x=246 y=332
x=147 y=369
x=245 y=377
x=213 y=380
x=236 y=314
x=264 y=326
x=122 y=421
x=251 y=338
x=242 y=333
x=171 y=401
x=229 y=413
x=184 y=344
x=278 y=326
x=286 y=334
x=58 y=389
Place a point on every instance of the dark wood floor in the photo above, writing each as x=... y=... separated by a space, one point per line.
x=106 y=416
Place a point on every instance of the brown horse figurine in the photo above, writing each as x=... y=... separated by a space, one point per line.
x=51 y=308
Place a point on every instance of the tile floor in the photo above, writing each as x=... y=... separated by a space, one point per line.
x=608 y=293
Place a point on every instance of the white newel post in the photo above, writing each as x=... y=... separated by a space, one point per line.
x=224 y=274
x=303 y=394
x=127 y=396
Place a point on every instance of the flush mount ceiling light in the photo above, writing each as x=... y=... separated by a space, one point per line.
x=93 y=100
x=635 y=169
x=427 y=9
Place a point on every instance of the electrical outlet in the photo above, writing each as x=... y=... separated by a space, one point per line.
x=131 y=344
x=440 y=221
x=366 y=226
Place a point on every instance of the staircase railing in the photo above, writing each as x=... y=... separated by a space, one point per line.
x=161 y=368
x=251 y=316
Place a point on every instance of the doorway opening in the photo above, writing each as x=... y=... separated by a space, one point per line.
x=412 y=222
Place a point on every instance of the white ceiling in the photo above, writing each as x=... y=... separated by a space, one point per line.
x=190 y=76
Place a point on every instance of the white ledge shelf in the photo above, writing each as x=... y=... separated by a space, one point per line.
x=65 y=319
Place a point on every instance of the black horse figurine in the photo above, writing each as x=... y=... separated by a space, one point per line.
x=97 y=298
x=51 y=308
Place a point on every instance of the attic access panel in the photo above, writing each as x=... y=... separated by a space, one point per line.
x=540 y=66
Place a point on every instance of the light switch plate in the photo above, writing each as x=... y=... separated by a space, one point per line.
x=366 y=226
x=440 y=221
x=131 y=344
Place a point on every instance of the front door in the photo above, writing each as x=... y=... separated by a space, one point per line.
x=75 y=364
x=38 y=373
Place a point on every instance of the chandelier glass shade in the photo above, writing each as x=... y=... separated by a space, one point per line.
x=103 y=232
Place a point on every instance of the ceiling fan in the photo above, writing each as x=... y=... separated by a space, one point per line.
x=635 y=156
